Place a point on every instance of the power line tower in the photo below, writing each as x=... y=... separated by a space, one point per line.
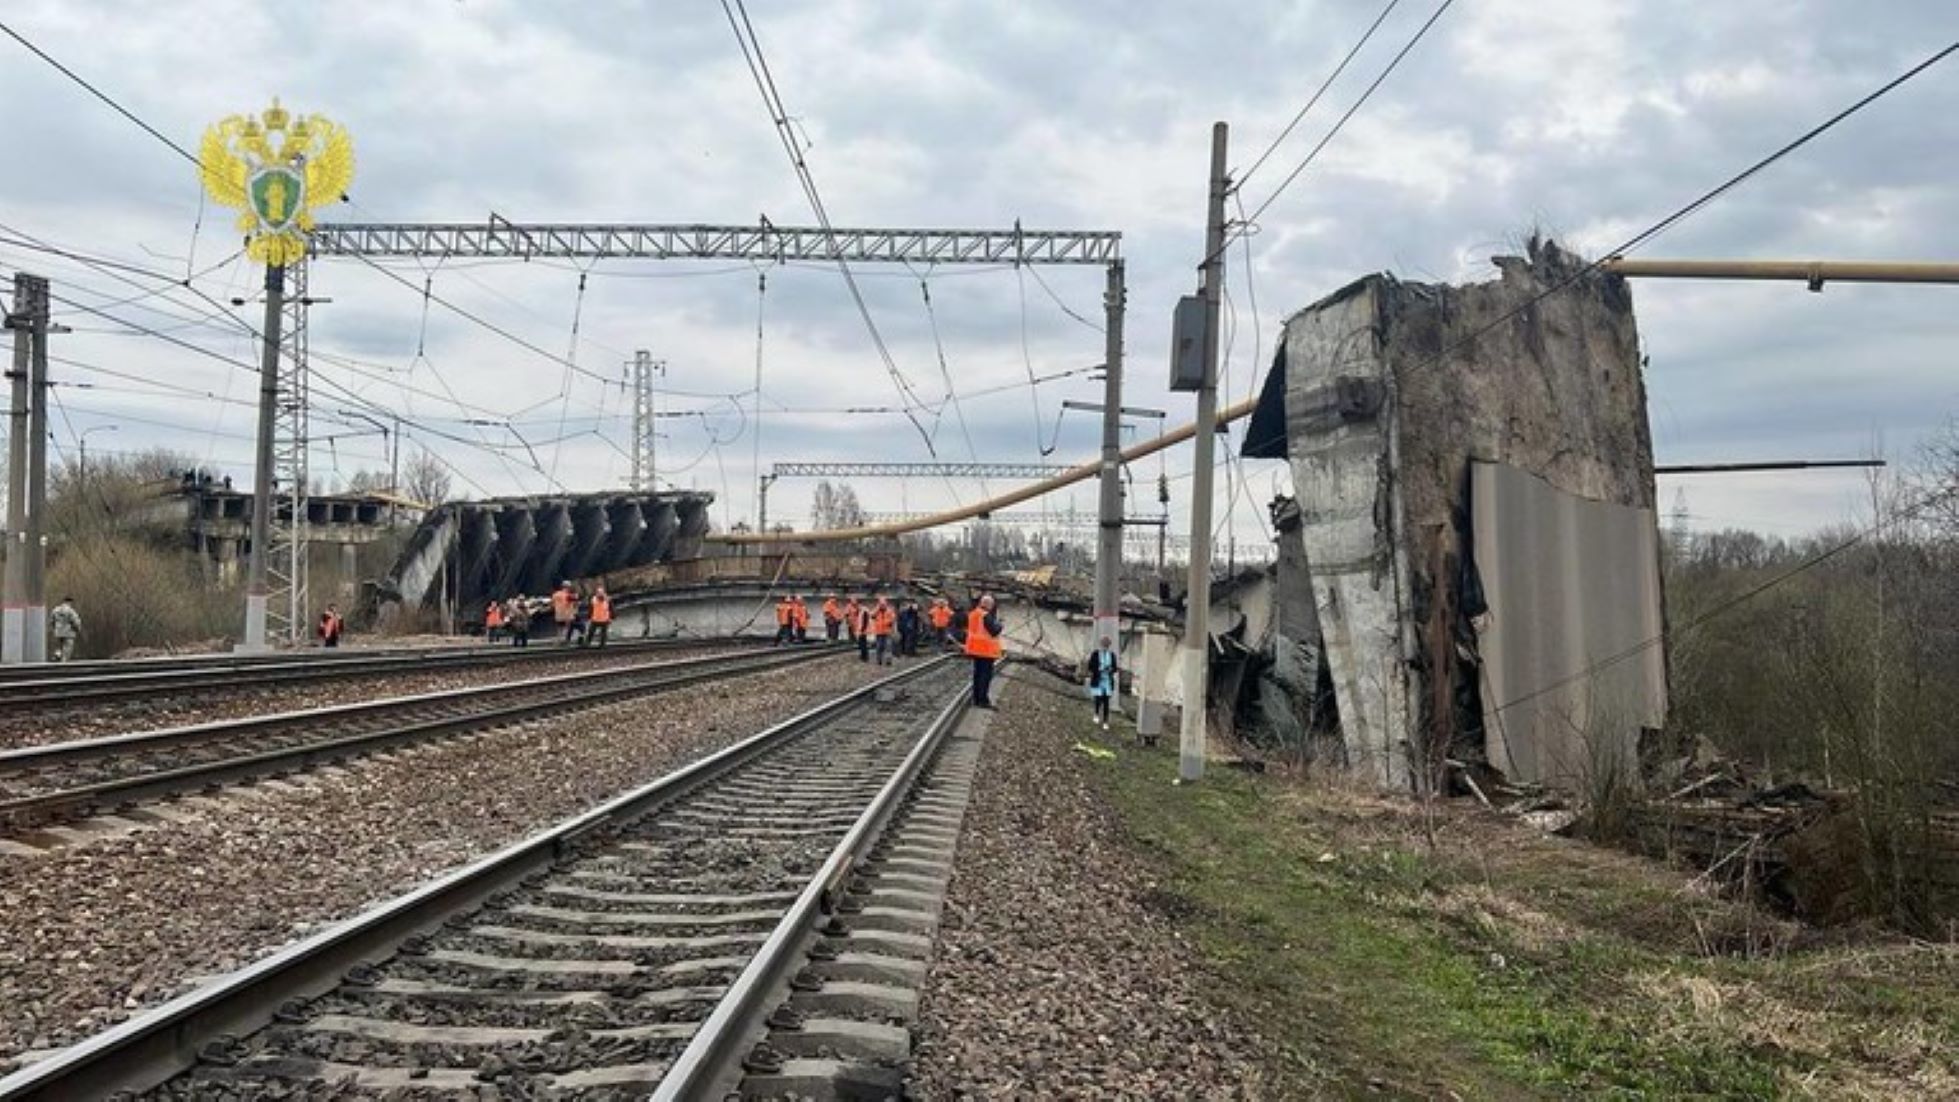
x=644 y=368
x=288 y=604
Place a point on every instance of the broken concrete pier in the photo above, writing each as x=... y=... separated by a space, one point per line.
x=1474 y=473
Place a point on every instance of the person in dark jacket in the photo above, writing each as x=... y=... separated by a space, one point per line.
x=908 y=625
x=1100 y=668
x=517 y=618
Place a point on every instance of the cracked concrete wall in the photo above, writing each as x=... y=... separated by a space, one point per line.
x=1387 y=400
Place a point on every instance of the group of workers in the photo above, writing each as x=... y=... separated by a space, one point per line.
x=879 y=626
x=883 y=629
x=581 y=619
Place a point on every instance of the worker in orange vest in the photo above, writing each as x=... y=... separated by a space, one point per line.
x=785 y=614
x=860 y=630
x=884 y=622
x=832 y=617
x=601 y=628
x=852 y=613
x=564 y=610
x=983 y=647
x=331 y=627
x=941 y=619
x=493 y=622
x=799 y=618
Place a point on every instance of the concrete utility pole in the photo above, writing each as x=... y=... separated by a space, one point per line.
x=1108 y=553
x=35 y=621
x=1197 y=602
x=13 y=618
x=1163 y=531
x=268 y=414
x=761 y=480
x=762 y=485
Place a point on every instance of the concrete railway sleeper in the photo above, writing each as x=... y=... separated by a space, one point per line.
x=641 y=944
x=40 y=784
x=40 y=687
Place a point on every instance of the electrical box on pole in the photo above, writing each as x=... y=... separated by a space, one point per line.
x=1187 y=344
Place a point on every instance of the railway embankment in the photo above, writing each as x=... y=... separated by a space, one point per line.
x=1376 y=946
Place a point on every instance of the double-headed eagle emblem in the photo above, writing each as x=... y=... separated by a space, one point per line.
x=277 y=170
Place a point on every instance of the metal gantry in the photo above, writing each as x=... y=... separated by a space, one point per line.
x=796 y=469
x=766 y=243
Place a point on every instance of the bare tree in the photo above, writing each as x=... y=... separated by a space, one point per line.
x=425 y=478
x=368 y=482
x=835 y=507
x=849 y=513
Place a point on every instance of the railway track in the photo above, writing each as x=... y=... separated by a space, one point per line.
x=648 y=943
x=40 y=784
x=40 y=687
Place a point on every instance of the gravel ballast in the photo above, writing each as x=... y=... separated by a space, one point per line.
x=1054 y=978
x=91 y=934
x=210 y=703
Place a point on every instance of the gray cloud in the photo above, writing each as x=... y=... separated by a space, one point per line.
x=1588 y=120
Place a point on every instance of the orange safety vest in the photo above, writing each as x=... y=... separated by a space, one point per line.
x=941 y=617
x=782 y=614
x=799 y=614
x=853 y=614
x=831 y=611
x=883 y=620
x=564 y=605
x=601 y=609
x=980 y=643
x=493 y=616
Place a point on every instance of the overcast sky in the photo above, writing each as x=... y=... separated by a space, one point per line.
x=1589 y=119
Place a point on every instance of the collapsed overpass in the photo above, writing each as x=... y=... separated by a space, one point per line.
x=469 y=552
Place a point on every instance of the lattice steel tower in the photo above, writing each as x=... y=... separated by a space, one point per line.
x=644 y=368
x=288 y=604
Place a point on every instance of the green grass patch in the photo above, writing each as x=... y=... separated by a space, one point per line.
x=1378 y=964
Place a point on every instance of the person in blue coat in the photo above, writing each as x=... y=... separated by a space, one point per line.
x=1101 y=678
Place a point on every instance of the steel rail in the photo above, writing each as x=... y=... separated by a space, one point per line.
x=585 y=689
x=147 y=1050
x=43 y=691
x=712 y=1059
x=90 y=667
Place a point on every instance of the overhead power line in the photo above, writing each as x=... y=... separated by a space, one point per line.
x=758 y=67
x=99 y=94
x=1677 y=216
x=1245 y=178
x=1334 y=131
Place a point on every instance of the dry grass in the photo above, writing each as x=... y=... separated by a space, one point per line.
x=1463 y=951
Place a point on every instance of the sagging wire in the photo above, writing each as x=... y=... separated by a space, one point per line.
x=1064 y=307
x=1027 y=358
x=571 y=363
x=951 y=393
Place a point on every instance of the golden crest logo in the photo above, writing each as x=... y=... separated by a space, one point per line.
x=276 y=170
